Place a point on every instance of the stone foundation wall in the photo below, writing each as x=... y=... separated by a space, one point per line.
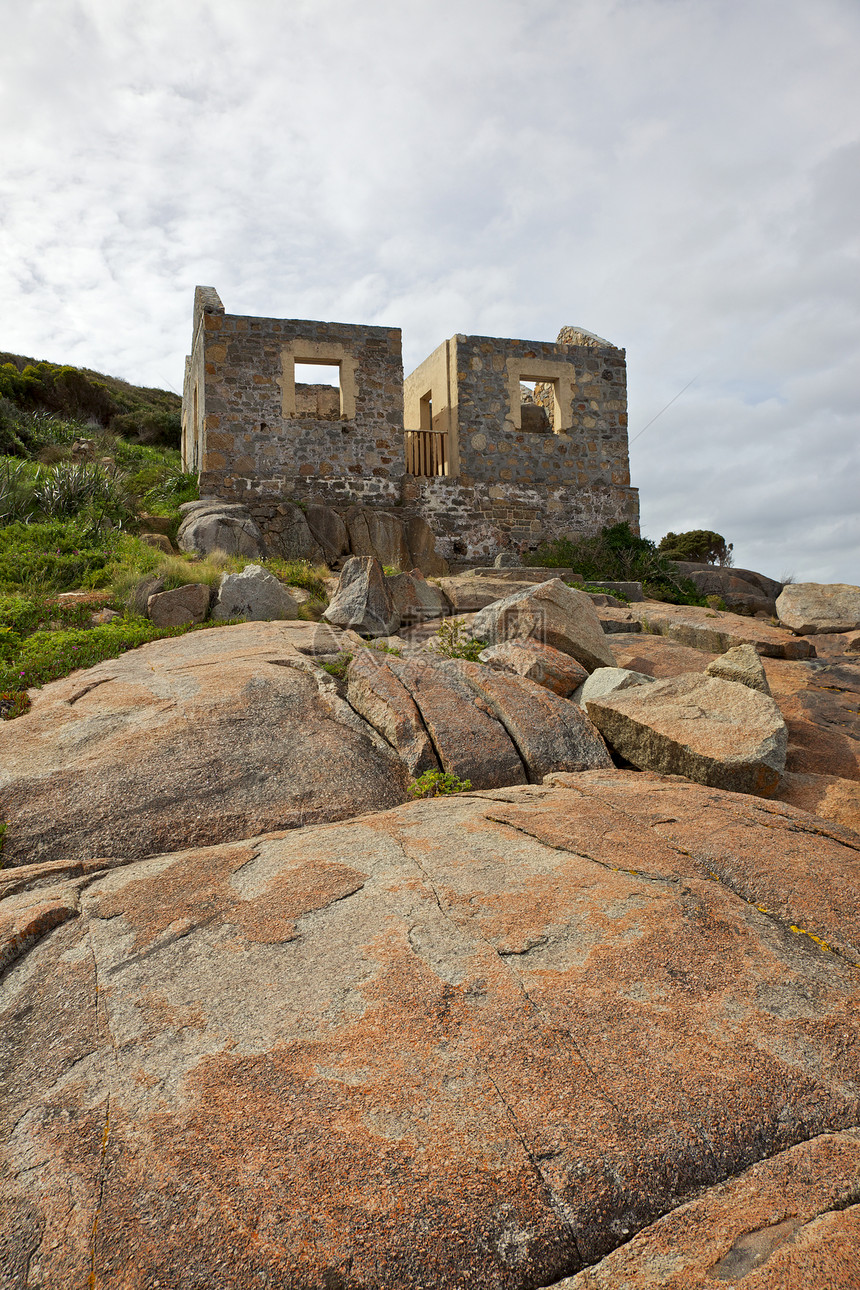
x=478 y=520
x=267 y=509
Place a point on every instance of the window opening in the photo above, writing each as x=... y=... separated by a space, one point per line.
x=318 y=374
x=318 y=390
x=537 y=399
x=426 y=412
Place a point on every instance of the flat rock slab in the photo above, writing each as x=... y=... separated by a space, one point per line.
x=823 y=719
x=617 y=622
x=522 y=573
x=830 y=796
x=715 y=732
x=832 y=644
x=659 y=656
x=537 y=662
x=205 y=737
x=714 y=630
x=789 y=1223
x=811 y=607
x=468 y=593
x=473 y=1042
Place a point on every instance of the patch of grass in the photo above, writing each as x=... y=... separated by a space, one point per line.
x=49 y=655
x=301 y=573
x=453 y=641
x=382 y=648
x=311 y=611
x=437 y=783
x=337 y=668
x=162 y=487
x=21 y=615
x=53 y=556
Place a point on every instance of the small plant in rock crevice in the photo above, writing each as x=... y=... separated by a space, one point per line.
x=438 y=783
x=453 y=641
x=381 y=648
x=337 y=667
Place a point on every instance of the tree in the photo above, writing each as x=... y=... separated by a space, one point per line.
x=700 y=545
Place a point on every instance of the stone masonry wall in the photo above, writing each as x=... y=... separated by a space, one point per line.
x=592 y=390
x=522 y=479
x=264 y=439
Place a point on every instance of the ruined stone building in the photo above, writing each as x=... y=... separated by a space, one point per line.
x=463 y=442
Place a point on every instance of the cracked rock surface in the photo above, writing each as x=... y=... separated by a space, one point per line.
x=790 y=1223
x=214 y=735
x=490 y=727
x=471 y=1042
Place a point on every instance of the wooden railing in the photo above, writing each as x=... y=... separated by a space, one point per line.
x=427 y=453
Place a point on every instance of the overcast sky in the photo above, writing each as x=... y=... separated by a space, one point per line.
x=679 y=176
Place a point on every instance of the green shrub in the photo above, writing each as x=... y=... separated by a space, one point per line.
x=83 y=489
x=437 y=783
x=14 y=438
x=617 y=554
x=453 y=641
x=79 y=394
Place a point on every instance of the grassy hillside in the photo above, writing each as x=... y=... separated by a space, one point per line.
x=84 y=473
x=30 y=386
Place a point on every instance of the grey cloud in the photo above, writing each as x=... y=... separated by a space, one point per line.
x=678 y=175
